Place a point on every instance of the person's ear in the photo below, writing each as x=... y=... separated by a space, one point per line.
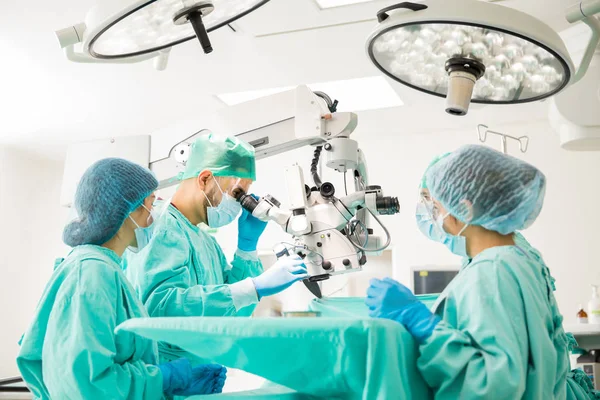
x=203 y=179
x=465 y=210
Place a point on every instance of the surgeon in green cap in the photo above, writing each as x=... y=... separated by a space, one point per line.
x=182 y=271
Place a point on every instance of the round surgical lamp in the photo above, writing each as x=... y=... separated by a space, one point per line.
x=119 y=31
x=474 y=51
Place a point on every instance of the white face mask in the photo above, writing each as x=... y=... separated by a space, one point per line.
x=457 y=244
x=225 y=212
x=143 y=235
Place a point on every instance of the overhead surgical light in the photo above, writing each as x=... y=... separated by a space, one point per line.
x=121 y=31
x=468 y=50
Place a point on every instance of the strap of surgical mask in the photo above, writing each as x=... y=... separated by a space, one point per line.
x=149 y=215
x=209 y=203
x=221 y=190
x=135 y=223
x=219 y=186
x=459 y=232
x=463 y=229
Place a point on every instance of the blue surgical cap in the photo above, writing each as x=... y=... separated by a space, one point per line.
x=108 y=192
x=481 y=186
x=431 y=164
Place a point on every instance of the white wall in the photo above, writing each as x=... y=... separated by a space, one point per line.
x=30 y=240
x=566 y=232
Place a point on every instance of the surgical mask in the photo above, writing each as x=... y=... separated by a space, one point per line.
x=143 y=235
x=457 y=244
x=224 y=213
x=426 y=224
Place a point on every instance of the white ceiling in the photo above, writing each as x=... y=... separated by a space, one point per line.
x=48 y=102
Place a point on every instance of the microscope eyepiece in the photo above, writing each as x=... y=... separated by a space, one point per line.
x=247 y=201
x=238 y=194
x=388 y=205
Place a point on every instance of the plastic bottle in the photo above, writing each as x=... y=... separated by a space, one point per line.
x=594 y=306
x=582 y=317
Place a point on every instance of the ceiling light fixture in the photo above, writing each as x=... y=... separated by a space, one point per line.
x=145 y=29
x=468 y=50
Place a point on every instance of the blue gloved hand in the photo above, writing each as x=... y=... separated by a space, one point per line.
x=285 y=272
x=392 y=300
x=179 y=378
x=249 y=230
x=176 y=375
x=205 y=379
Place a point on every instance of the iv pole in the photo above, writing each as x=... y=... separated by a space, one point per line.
x=483 y=131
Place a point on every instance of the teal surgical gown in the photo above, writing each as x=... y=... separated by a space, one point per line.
x=183 y=272
x=70 y=350
x=337 y=357
x=501 y=333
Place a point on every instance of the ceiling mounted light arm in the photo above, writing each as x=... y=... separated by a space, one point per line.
x=585 y=12
x=582 y=10
x=161 y=61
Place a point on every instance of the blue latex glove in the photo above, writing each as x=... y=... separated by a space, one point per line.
x=392 y=300
x=249 y=230
x=180 y=379
x=285 y=272
x=206 y=379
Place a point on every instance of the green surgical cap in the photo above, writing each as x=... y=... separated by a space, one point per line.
x=431 y=164
x=223 y=156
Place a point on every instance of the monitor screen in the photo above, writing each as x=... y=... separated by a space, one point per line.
x=429 y=282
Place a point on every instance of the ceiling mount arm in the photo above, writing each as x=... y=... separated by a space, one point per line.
x=584 y=9
x=584 y=12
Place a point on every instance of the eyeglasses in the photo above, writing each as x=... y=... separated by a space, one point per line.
x=432 y=209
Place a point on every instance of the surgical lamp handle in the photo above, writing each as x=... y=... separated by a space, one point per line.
x=584 y=12
x=382 y=15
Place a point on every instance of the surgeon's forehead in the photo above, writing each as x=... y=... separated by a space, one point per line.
x=243 y=183
x=233 y=183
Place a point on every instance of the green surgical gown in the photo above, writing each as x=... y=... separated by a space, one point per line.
x=70 y=350
x=183 y=272
x=501 y=334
